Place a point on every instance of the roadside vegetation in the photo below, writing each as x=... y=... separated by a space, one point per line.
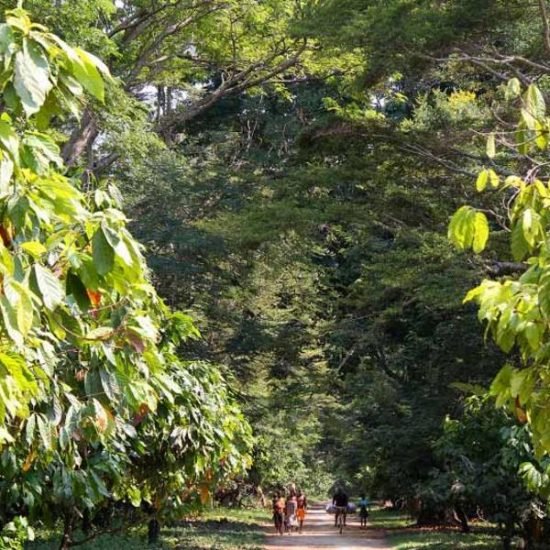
x=402 y=534
x=213 y=529
x=255 y=246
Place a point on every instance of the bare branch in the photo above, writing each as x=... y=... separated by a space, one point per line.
x=545 y=25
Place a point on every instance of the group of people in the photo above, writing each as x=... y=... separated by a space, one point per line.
x=289 y=512
x=340 y=502
x=290 y=508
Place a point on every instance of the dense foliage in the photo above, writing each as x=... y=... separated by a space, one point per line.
x=291 y=168
x=93 y=392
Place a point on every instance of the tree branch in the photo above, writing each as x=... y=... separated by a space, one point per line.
x=545 y=25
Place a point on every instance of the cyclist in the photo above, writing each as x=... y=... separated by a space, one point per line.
x=340 y=501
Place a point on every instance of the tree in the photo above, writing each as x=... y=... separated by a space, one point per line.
x=515 y=307
x=481 y=452
x=88 y=348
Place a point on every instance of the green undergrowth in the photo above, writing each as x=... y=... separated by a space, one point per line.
x=413 y=539
x=402 y=534
x=384 y=518
x=216 y=529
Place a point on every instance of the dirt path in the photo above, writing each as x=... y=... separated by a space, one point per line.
x=319 y=533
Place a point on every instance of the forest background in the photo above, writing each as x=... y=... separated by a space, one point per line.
x=291 y=167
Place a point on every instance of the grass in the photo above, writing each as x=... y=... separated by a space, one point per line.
x=382 y=518
x=217 y=529
x=402 y=535
x=420 y=539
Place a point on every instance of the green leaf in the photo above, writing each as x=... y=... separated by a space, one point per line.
x=49 y=287
x=40 y=151
x=32 y=76
x=531 y=227
x=34 y=248
x=44 y=429
x=520 y=248
x=87 y=74
x=110 y=384
x=9 y=140
x=513 y=89
x=103 y=253
x=473 y=294
x=494 y=180
x=528 y=119
x=535 y=102
x=491 y=146
x=533 y=335
x=514 y=181
x=6 y=39
x=75 y=288
x=100 y=333
x=23 y=306
x=453 y=232
x=29 y=429
x=9 y=316
x=544 y=295
x=500 y=387
x=6 y=173
x=532 y=476
x=482 y=180
x=481 y=232
x=521 y=139
x=541 y=139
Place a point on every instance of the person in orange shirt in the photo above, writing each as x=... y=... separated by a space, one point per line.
x=301 y=510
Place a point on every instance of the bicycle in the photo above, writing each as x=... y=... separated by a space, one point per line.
x=341 y=518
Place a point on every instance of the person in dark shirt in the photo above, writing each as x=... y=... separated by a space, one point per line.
x=340 y=501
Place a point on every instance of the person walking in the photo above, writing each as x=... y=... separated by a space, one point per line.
x=290 y=512
x=278 y=504
x=301 y=502
x=363 y=506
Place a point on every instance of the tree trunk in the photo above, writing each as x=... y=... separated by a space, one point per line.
x=86 y=522
x=81 y=139
x=153 y=531
x=67 y=531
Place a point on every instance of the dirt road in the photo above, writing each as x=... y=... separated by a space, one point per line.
x=320 y=533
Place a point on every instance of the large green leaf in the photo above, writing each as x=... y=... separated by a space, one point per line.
x=87 y=74
x=513 y=88
x=32 y=76
x=482 y=180
x=103 y=253
x=6 y=173
x=20 y=299
x=520 y=247
x=110 y=384
x=49 y=287
x=40 y=151
x=481 y=232
x=75 y=288
x=535 y=102
x=9 y=316
x=7 y=44
x=9 y=140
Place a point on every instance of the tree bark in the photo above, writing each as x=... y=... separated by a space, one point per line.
x=67 y=531
x=81 y=139
x=153 y=531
